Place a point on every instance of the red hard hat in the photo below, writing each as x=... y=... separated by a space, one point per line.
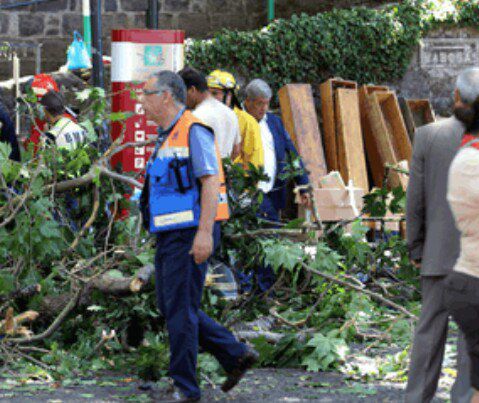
x=43 y=83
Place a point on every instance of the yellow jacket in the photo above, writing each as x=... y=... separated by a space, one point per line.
x=251 y=145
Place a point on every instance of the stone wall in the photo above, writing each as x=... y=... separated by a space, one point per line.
x=436 y=64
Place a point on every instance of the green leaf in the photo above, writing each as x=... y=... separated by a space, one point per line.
x=120 y=116
x=7 y=283
x=83 y=95
x=115 y=274
x=293 y=224
x=95 y=308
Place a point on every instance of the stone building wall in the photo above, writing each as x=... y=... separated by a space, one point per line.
x=52 y=23
x=435 y=65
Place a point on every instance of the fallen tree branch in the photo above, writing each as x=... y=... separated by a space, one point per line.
x=21 y=199
x=134 y=284
x=373 y=295
x=110 y=153
x=104 y=339
x=53 y=327
x=89 y=177
x=24 y=292
x=91 y=220
x=268 y=232
x=252 y=334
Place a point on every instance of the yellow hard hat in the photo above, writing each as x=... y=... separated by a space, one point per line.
x=221 y=80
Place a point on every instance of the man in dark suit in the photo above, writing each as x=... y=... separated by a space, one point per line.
x=7 y=133
x=277 y=147
x=433 y=243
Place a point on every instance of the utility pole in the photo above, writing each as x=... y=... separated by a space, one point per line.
x=97 y=49
x=270 y=10
x=152 y=14
x=87 y=25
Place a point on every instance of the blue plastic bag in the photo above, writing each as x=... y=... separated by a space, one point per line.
x=77 y=54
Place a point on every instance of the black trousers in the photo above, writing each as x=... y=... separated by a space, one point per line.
x=462 y=301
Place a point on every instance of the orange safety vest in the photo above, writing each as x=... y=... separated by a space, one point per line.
x=174 y=195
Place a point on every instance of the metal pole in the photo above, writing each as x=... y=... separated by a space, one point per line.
x=97 y=49
x=16 y=79
x=87 y=24
x=270 y=10
x=152 y=14
x=38 y=59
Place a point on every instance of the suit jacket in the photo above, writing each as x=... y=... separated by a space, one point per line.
x=282 y=147
x=432 y=236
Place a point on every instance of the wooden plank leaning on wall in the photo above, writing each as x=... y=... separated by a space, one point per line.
x=352 y=161
x=301 y=122
x=328 y=111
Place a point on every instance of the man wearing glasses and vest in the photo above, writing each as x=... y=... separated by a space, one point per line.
x=183 y=200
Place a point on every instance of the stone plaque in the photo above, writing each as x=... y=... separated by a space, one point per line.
x=452 y=54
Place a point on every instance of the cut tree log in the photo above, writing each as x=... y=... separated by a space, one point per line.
x=52 y=305
x=328 y=110
x=301 y=122
x=113 y=285
x=352 y=161
x=372 y=153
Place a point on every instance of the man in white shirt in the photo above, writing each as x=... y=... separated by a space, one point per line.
x=213 y=113
x=269 y=156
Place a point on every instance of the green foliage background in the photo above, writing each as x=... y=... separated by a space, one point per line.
x=361 y=44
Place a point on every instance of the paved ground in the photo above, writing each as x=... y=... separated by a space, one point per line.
x=261 y=385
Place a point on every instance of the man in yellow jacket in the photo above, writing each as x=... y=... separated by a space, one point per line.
x=222 y=86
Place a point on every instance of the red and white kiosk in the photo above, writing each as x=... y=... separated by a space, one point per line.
x=135 y=55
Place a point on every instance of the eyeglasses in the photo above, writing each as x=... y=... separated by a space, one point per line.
x=149 y=92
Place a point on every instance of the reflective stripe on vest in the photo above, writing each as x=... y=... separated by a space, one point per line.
x=67 y=133
x=174 y=193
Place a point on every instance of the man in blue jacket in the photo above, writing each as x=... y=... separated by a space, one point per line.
x=278 y=148
x=183 y=198
x=7 y=133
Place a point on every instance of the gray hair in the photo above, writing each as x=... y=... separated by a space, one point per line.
x=169 y=81
x=468 y=85
x=258 y=89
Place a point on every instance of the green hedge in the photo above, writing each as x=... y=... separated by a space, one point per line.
x=362 y=44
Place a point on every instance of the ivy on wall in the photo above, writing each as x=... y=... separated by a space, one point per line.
x=362 y=44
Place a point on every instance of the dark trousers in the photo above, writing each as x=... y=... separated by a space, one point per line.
x=179 y=286
x=265 y=277
x=462 y=300
x=428 y=348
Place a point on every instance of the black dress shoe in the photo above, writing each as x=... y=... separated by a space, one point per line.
x=178 y=397
x=245 y=363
